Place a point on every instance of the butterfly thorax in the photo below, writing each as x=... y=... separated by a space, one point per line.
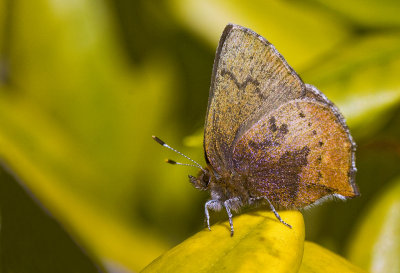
x=224 y=186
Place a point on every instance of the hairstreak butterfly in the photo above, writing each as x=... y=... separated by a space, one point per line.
x=268 y=136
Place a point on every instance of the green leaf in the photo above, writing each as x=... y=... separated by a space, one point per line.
x=367 y=13
x=375 y=244
x=260 y=244
x=68 y=126
x=318 y=259
x=298 y=30
x=32 y=240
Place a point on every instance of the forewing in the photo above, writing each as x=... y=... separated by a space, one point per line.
x=250 y=78
x=296 y=155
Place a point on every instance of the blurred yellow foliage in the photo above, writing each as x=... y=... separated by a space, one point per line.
x=84 y=84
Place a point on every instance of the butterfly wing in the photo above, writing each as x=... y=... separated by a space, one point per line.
x=250 y=78
x=297 y=154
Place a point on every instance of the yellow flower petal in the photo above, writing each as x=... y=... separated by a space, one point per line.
x=260 y=244
x=318 y=259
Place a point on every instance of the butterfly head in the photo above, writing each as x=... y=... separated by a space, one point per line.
x=202 y=180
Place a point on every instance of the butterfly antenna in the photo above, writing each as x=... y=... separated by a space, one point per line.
x=173 y=162
x=162 y=143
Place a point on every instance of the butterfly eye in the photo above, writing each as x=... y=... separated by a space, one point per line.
x=206 y=179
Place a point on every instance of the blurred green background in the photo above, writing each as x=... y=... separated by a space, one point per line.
x=84 y=84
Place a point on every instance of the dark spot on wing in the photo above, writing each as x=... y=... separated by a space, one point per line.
x=319 y=176
x=283 y=129
x=319 y=159
x=302 y=115
x=262 y=145
x=320 y=143
x=295 y=159
x=314 y=132
x=272 y=124
x=309 y=124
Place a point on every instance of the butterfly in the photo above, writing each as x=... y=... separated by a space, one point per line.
x=268 y=136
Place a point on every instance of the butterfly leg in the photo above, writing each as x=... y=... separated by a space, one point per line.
x=211 y=204
x=276 y=213
x=227 y=206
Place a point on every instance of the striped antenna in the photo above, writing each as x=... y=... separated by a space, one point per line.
x=173 y=162
x=162 y=143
